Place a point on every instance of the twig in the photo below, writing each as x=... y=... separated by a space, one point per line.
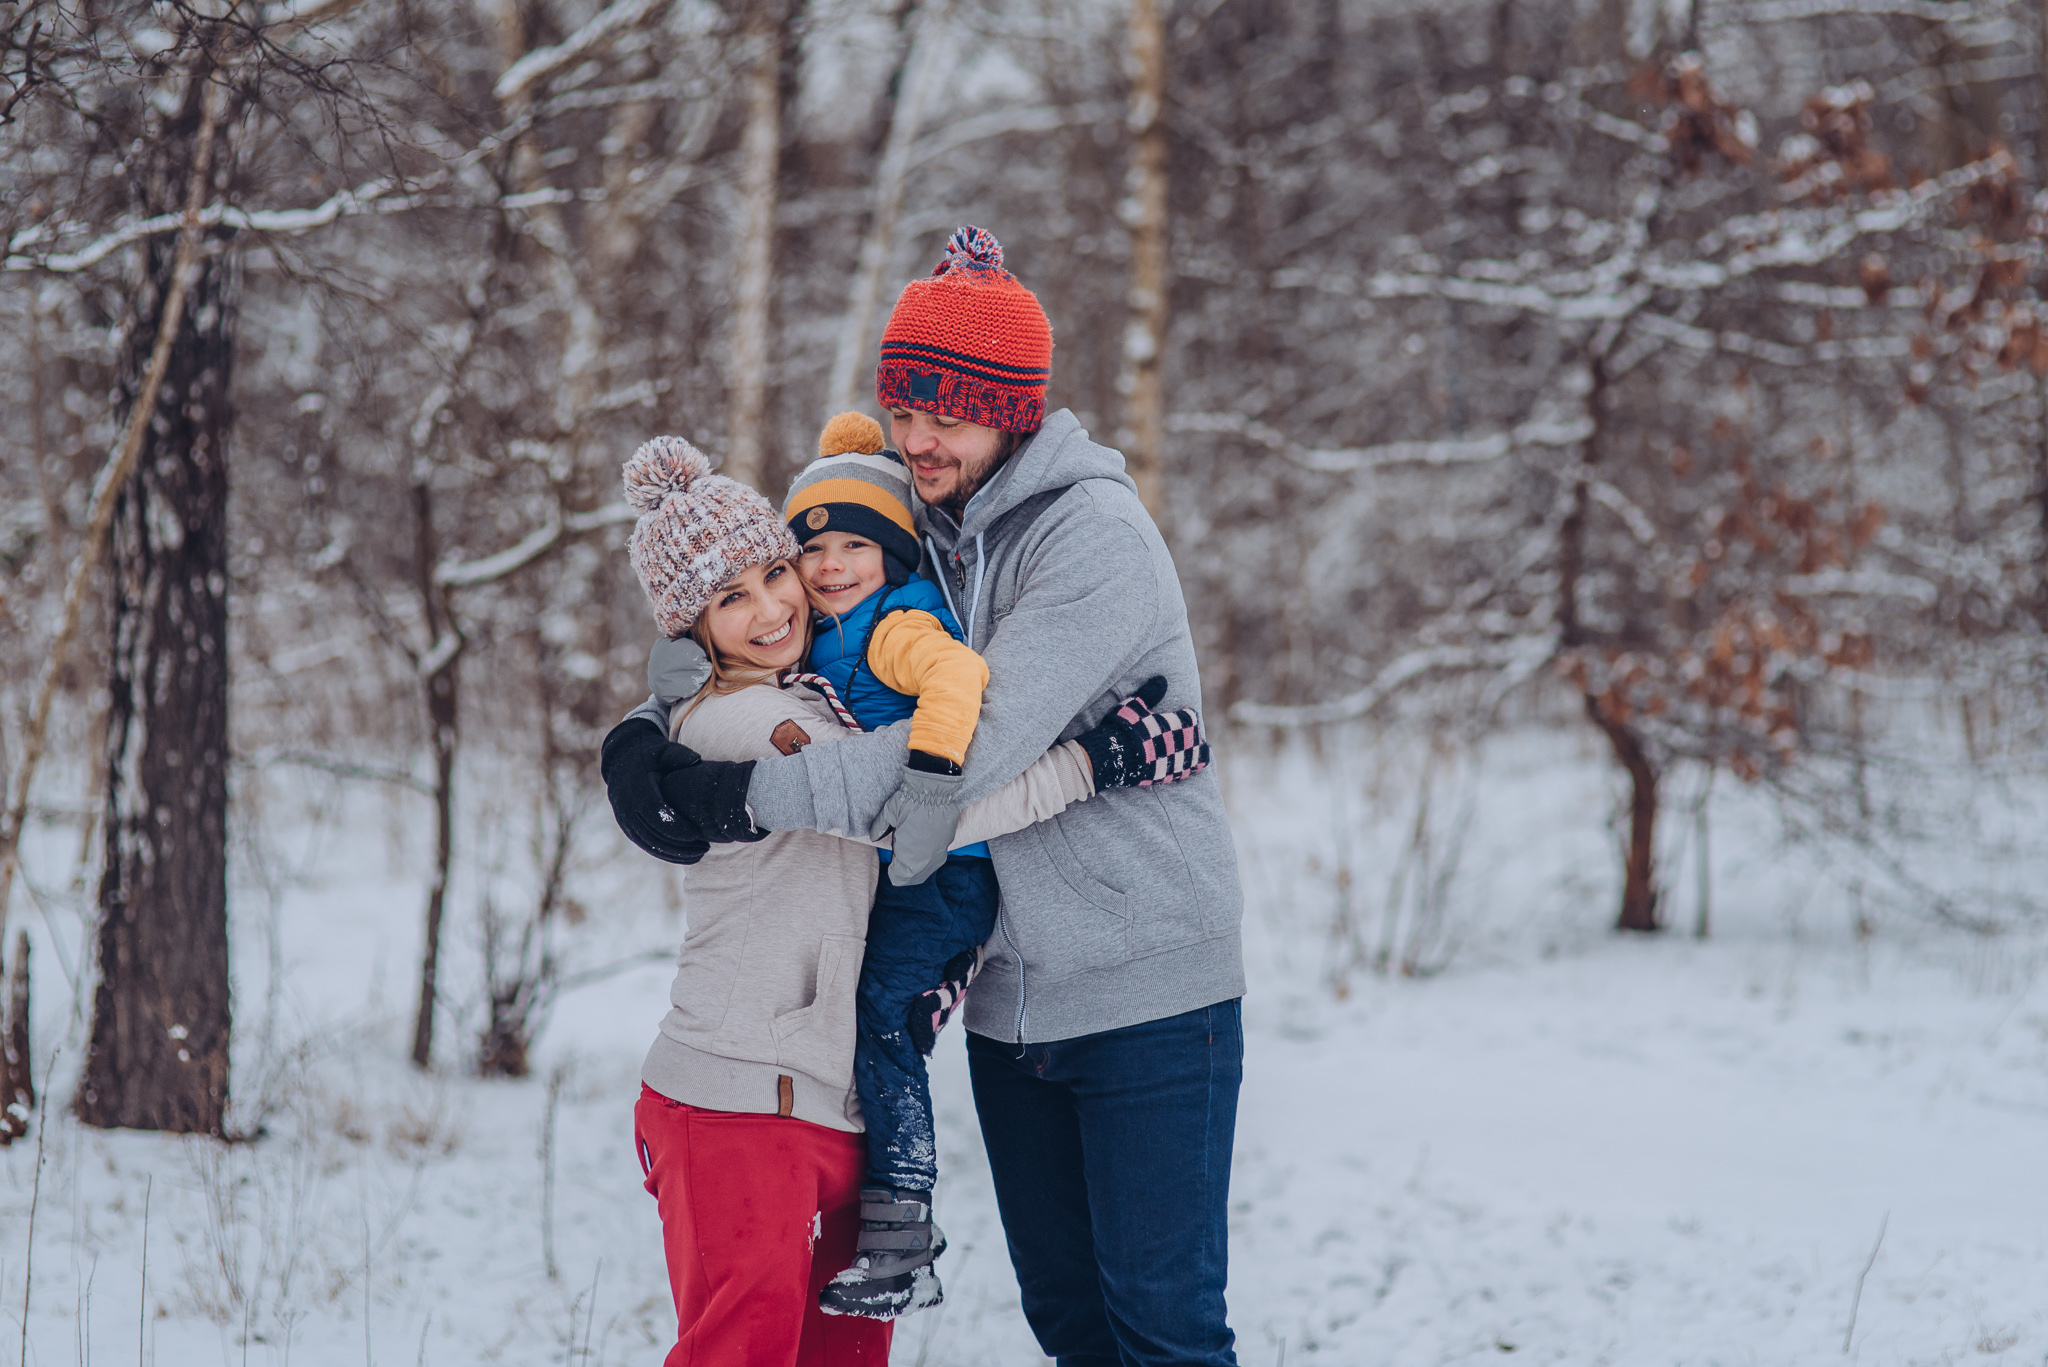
x=547 y=1179
x=590 y=1315
x=85 y=1313
x=28 y=1276
x=142 y=1296
x=365 y=1212
x=113 y=477
x=1856 y=1302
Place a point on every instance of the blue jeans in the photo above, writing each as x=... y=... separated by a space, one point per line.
x=1111 y=1159
x=912 y=932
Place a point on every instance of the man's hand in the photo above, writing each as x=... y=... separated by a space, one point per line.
x=924 y=811
x=669 y=802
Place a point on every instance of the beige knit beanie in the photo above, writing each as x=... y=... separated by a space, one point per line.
x=696 y=530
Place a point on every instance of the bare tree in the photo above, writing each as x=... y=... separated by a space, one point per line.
x=1141 y=382
x=158 y=1057
x=766 y=33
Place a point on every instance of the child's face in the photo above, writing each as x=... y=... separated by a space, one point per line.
x=842 y=569
x=757 y=620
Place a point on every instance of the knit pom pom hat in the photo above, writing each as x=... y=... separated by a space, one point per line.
x=856 y=487
x=968 y=342
x=696 y=531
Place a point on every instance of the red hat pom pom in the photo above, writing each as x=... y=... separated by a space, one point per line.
x=972 y=247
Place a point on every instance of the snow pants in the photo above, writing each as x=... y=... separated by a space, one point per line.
x=757 y=1214
x=912 y=932
x=1111 y=1159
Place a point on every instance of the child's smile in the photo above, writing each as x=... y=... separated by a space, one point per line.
x=841 y=570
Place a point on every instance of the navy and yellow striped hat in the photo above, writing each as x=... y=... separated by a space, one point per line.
x=859 y=487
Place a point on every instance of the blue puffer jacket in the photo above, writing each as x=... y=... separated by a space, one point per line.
x=839 y=651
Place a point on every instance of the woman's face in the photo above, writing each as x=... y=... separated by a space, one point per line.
x=756 y=620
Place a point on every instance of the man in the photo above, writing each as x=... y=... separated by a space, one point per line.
x=1104 y=1036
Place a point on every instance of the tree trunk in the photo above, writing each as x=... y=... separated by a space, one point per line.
x=17 y=1071
x=440 y=684
x=1638 y=889
x=1141 y=382
x=753 y=280
x=158 y=1056
x=441 y=718
x=1638 y=892
x=906 y=116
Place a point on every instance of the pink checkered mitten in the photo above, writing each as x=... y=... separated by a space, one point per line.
x=929 y=1011
x=1135 y=747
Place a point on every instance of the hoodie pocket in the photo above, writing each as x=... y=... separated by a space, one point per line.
x=1092 y=930
x=817 y=1039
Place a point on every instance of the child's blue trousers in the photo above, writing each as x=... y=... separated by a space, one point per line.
x=912 y=932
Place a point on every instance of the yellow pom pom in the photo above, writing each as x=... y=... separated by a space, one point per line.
x=850 y=432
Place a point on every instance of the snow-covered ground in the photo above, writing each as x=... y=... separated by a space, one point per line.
x=1546 y=1142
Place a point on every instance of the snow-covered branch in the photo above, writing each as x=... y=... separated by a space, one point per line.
x=1778 y=11
x=1864 y=584
x=543 y=62
x=1520 y=652
x=1345 y=460
x=372 y=196
x=1036 y=119
x=463 y=574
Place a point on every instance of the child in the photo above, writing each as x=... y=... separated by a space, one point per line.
x=888 y=647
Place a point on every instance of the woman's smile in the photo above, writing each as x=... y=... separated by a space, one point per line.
x=775 y=637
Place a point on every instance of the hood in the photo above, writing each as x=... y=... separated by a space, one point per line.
x=1059 y=454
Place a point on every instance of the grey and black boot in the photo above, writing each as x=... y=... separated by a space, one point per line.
x=892 y=1267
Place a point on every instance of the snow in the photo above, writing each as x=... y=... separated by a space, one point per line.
x=1549 y=1142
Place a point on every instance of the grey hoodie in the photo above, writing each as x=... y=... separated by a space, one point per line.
x=1118 y=911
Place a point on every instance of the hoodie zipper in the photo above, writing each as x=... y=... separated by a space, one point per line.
x=959 y=577
x=1003 y=923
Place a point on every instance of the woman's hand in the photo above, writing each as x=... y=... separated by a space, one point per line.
x=1135 y=747
x=669 y=802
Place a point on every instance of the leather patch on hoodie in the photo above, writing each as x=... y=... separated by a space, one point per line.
x=789 y=737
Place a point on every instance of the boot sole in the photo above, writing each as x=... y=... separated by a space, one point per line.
x=887 y=1299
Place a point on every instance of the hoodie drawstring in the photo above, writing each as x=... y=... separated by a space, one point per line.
x=973 y=608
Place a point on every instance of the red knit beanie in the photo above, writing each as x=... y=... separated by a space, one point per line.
x=968 y=342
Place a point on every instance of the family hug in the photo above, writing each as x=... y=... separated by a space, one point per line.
x=929 y=740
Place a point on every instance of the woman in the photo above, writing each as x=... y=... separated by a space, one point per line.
x=746 y=1126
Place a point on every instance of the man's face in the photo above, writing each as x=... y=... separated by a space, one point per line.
x=949 y=459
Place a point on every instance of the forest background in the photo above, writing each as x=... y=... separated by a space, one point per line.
x=1662 y=379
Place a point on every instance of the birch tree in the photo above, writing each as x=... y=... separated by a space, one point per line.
x=1141 y=384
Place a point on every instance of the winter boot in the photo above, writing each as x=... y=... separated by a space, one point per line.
x=892 y=1268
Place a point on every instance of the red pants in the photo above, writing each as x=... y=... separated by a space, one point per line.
x=757 y=1214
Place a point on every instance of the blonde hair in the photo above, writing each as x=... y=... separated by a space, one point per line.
x=730 y=676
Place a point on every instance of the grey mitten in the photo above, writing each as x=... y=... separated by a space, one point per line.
x=924 y=811
x=676 y=670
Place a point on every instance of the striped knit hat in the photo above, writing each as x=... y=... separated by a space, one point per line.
x=968 y=342
x=857 y=487
x=696 y=530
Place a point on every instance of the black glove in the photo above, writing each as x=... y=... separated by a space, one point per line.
x=661 y=793
x=708 y=799
x=1135 y=747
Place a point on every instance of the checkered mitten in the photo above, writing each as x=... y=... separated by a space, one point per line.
x=1135 y=747
x=929 y=1011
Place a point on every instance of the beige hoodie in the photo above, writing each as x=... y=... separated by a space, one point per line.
x=762 y=1008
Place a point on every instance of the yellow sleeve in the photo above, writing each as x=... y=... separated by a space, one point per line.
x=912 y=653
